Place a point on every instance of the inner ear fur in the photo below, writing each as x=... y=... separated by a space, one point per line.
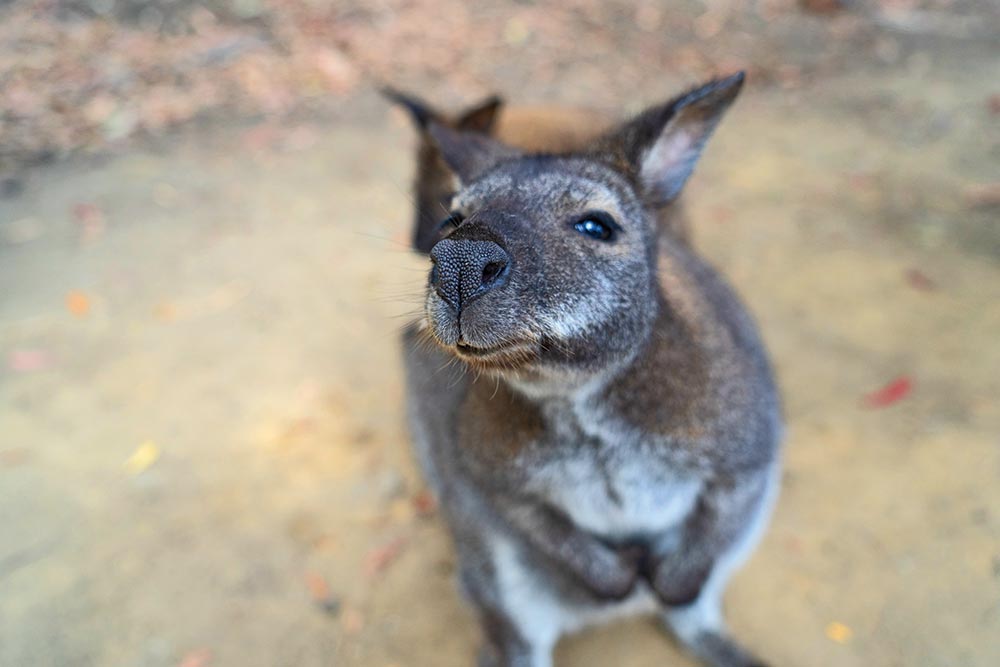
x=662 y=144
x=480 y=117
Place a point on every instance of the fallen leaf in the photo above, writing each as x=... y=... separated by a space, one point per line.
x=325 y=543
x=165 y=311
x=337 y=71
x=87 y=212
x=13 y=457
x=77 y=303
x=28 y=360
x=319 y=591
x=380 y=558
x=201 y=657
x=353 y=621
x=425 y=504
x=261 y=137
x=919 y=280
x=895 y=391
x=142 y=458
x=838 y=632
x=318 y=588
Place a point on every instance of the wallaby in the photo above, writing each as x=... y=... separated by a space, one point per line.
x=590 y=402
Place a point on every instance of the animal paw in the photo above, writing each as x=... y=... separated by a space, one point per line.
x=614 y=575
x=679 y=584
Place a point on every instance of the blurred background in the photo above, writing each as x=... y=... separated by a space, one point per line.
x=204 y=219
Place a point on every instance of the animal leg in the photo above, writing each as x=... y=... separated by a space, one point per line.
x=699 y=625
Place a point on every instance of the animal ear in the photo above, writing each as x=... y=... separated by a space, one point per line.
x=468 y=154
x=481 y=117
x=420 y=112
x=478 y=118
x=662 y=144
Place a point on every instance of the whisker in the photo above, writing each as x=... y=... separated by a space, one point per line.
x=399 y=246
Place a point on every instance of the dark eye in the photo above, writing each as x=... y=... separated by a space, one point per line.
x=451 y=222
x=597 y=225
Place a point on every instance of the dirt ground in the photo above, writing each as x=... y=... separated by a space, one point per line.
x=203 y=460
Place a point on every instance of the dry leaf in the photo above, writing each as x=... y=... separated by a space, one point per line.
x=838 y=632
x=201 y=657
x=142 y=458
x=353 y=621
x=919 y=280
x=318 y=588
x=78 y=303
x=319 y=591
x=425 y=504
x=895 y=391
x=380 y=558
x=26 y=361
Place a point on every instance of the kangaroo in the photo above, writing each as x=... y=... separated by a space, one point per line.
x=589 y=400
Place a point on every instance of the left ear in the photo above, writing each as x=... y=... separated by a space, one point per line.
x=663 y=143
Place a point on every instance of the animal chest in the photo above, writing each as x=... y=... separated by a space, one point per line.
x=613 y=490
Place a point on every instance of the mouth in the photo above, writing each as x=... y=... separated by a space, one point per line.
x=474 y=351
x=504 y=354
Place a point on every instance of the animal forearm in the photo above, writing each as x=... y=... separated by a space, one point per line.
x=724 y=509
x=608 y=573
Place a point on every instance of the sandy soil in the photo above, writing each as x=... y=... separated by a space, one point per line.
x=202 y=452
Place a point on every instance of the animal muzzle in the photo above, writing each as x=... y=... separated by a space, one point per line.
x=464 y=270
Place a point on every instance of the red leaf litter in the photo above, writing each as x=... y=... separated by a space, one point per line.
x=891 y=393
x=318 y=587
x=425 y=504
x=380 y=558
x=920 y=281
x=201 y=657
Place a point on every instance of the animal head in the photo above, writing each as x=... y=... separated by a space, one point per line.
x=435 y=182
x=548 y=263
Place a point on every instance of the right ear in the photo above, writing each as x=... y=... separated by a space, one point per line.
x=662 y=144
x=481 y=117
x=469 y=154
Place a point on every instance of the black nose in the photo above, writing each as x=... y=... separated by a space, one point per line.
x=465 y=270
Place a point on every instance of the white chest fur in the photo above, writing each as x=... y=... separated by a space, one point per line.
x=618 y=498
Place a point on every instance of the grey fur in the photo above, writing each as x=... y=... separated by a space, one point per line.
x=602 y=428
